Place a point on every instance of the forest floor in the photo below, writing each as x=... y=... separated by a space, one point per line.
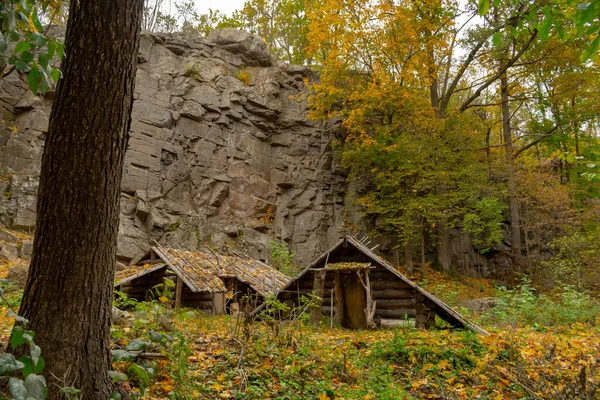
x=223 y=357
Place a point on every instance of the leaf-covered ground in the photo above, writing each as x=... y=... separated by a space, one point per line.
x=307 y=363
x=223 y=357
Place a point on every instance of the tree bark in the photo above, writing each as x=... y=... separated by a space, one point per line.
x=511 y=171
x=408 y=258
x=68 y=294
x=423 y=269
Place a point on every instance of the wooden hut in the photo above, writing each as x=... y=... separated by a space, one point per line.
x=205 y=278
x=359 y=289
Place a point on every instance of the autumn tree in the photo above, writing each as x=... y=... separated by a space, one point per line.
x=397 y=67
x=68 y=295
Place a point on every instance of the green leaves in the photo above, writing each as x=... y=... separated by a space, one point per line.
x=123 y=355
x=28 y=54
x=137 y=345
x=9 y=364
x=484 y=6
x=117 y=376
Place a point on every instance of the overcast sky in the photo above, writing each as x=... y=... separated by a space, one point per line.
x=202 y=6
x=225 y=6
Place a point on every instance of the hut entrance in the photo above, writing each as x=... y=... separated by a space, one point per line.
x=350 y=297
x=355 y=302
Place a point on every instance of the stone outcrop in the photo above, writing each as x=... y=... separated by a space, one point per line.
x=211 y=158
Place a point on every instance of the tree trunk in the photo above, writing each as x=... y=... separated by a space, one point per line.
x=68 y=295
x=318 y=288
x=408 y=258
x=423 y=270
x=510 y=162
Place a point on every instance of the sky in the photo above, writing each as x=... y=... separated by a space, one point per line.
x=225 y=6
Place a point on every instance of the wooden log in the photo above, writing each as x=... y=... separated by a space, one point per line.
x=420 y=308
x=420 y=297
x=383 y=274
x=392 y=294
x=395 y=303
x=133 y=290
x=199 y=304
x=315 y=312
x=396 y=314
x=397 y=323
x=339 y=298
x=186 y=297
x=389 y=284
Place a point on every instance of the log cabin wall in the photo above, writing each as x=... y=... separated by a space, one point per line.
x=394 y=298
x=141 y=288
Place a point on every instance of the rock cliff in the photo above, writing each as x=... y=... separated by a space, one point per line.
x=220 y=151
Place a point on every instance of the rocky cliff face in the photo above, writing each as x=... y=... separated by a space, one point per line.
x=221 y=151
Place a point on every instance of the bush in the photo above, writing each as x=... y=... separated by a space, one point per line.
x=244 y=76
x=282 y=258
x=521 y=306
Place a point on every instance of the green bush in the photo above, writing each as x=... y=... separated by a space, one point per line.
x=522 y=306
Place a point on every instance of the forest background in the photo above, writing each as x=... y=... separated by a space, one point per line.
x=458 y=116
x=481 y=118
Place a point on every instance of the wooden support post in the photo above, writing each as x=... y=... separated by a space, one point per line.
x=318 y=287
x=178 y=292
x=371 y=305
x=339 y=298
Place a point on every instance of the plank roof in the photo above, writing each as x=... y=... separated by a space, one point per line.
x=443 y=310
x=204 y=269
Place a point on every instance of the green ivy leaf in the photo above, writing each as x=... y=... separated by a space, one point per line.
x=36 y=387
x=122 y=355
x=3 y=44
x=36 y=352
x=22 y=46
x=18 y=318
x=55 y=73
x=43 y=59
x=28 y=368
x=8 y=364
x=117 y=376
x=115 y=396
x=60 y=50
x=17 y=389
x=27 y=57
x=141 y=373
x=33 y=78
x=137 y=345
x=51 y=48
x=16 y=338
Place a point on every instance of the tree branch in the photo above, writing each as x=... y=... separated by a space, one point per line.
x=500 y=72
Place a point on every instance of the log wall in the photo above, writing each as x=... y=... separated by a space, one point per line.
x=394 y=299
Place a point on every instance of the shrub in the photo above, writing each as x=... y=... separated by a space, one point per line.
x=521 y=306
x=244 y=76
x=282 y=258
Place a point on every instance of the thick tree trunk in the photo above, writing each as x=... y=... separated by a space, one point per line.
x=69 y=290
x=511 y=172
